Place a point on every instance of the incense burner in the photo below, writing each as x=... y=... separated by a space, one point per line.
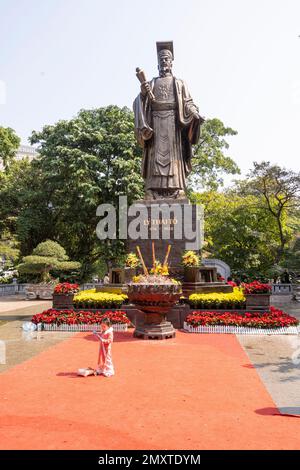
x=155 y=301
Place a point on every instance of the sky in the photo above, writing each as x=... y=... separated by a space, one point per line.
x=239 y=58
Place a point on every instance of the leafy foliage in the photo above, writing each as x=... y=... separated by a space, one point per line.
x=9 y=143
x=89 y=160
x=240 y=231
x=277 y=191
x=210 y=161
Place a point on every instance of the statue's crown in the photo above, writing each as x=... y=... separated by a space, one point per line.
x=165 y=47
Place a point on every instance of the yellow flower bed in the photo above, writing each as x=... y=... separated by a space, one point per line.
x=91 y=298
x=235 y=299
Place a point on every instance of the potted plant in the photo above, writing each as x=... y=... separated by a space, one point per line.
x=64 y=294
x=191 y=263
x=257 y=295
x=154 y=293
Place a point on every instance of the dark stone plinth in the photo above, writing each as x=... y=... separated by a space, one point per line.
x=189 y=288
x=163 y=230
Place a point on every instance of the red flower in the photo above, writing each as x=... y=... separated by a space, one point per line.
x=256 y=287
x=72 y=317
x=66 y=288
x=273 y=319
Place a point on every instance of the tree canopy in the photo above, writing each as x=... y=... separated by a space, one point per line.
x=47 y=256
x=210 y=161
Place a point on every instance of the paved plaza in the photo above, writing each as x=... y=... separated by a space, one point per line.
x=196 y=391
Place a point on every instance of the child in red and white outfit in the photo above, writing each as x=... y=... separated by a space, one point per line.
x=106 y=336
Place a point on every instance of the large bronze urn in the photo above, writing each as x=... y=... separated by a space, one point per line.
x=155 y=301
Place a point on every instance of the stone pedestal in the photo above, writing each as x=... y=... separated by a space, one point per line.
x=155 y=301
x=155 y=327
x=168 y=221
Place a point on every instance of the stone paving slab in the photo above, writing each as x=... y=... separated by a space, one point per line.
x=277 y=361
x=17 y=305
x=17 y=346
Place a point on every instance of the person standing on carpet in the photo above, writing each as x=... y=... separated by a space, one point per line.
x=106 y=336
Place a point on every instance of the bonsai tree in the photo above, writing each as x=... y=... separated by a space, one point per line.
x=46 y=257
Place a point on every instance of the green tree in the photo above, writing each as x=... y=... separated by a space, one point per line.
x=47 y=256
x=89 y=160
x=9 y=143
x=277 y=191
x=238 y=231
x=210 y=162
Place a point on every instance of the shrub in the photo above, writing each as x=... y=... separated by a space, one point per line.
x=92 y=299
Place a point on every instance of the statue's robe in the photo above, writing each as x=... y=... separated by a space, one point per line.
x=166 y=129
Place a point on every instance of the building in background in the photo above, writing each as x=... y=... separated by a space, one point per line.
x=26 y=151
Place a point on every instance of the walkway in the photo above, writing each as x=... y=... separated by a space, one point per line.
x=191 y=392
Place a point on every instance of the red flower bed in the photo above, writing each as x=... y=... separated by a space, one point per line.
x=273 y=319
x=66 y=288
x=71 y=317
x=256 y=287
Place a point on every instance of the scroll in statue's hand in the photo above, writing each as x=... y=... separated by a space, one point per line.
x=145 y=88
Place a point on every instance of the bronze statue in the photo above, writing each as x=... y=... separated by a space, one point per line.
x=167 y=124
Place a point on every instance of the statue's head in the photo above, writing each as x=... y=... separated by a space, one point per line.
x=165 y=57
x=165 y=62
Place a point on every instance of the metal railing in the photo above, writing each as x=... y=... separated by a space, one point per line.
x=12 y=289
x=281 y=289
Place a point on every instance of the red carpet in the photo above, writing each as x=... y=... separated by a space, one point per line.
x=191 y=392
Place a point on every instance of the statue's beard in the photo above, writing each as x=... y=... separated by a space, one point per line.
x=163 y=71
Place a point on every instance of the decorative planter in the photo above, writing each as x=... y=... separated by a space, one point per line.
x=39 y=291
x=63 y=301
x=155 y=301
x=191 y=274
x=257 y=301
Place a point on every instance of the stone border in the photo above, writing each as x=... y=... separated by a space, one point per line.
x=240 y=330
